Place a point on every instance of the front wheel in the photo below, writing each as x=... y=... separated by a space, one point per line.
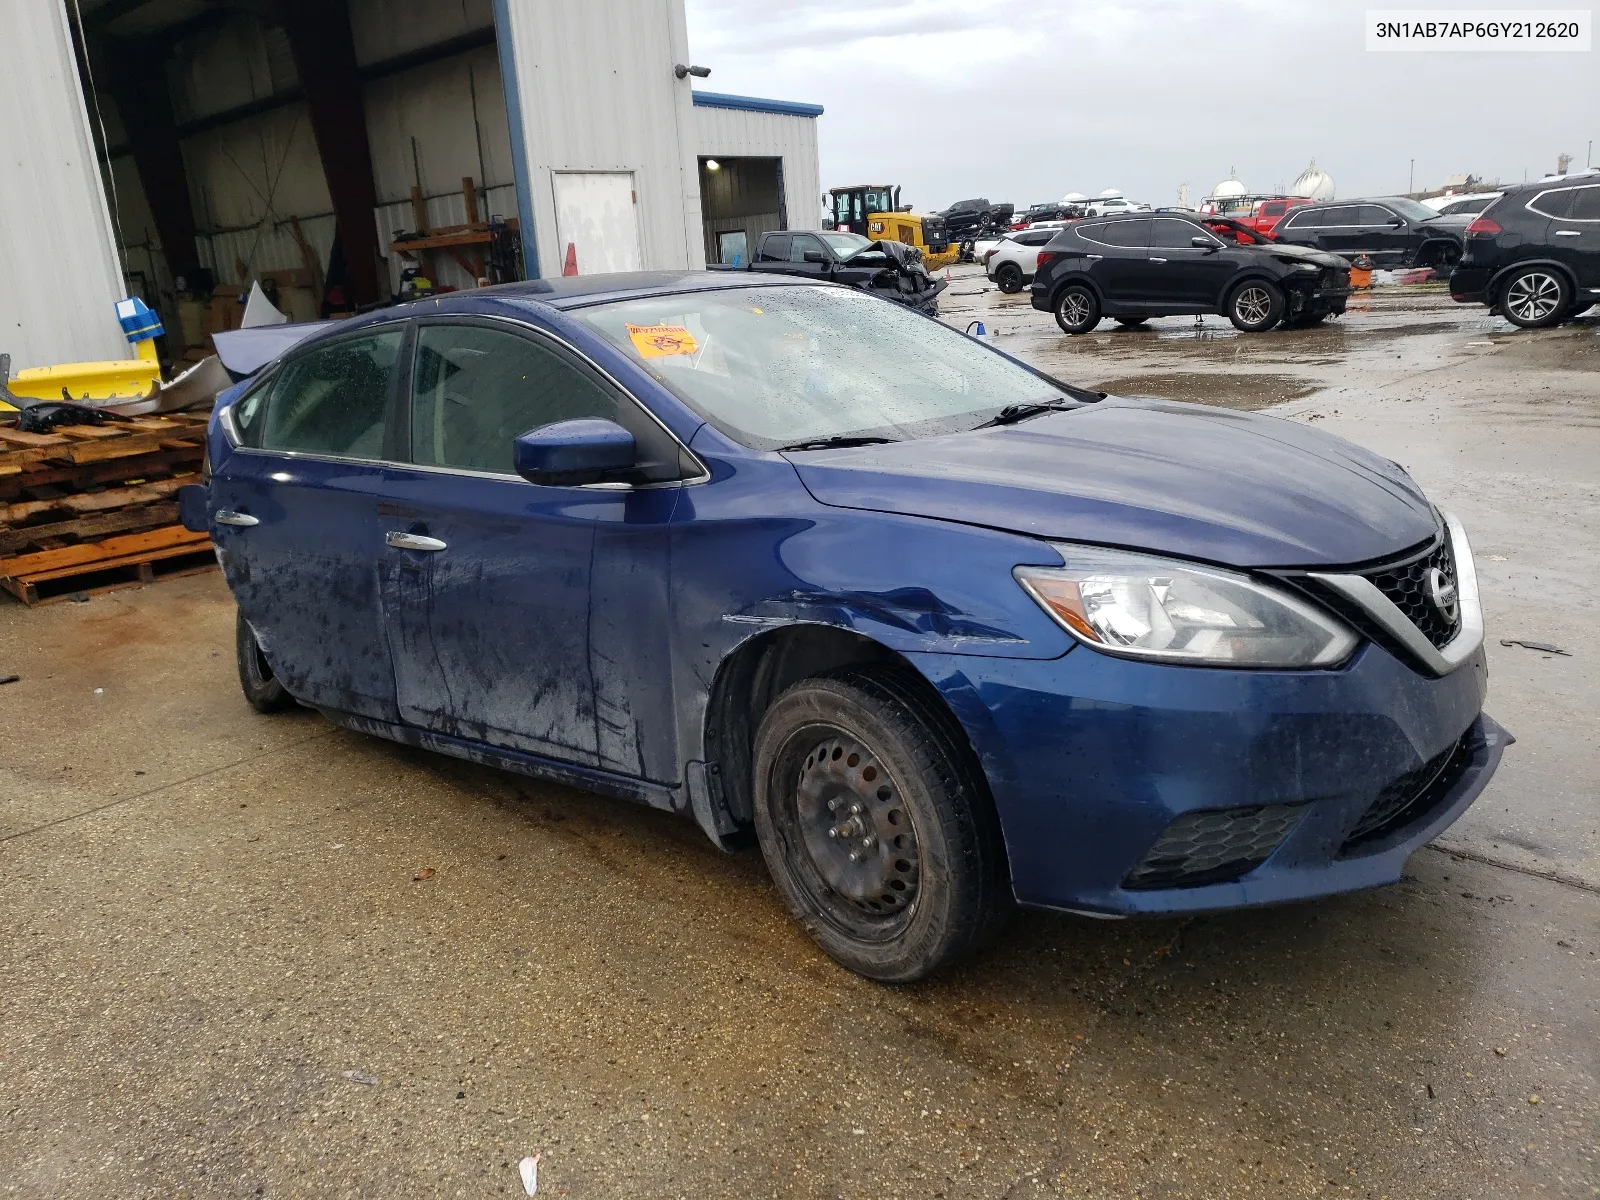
x=260 y=686
x=1009 y=278
x=1077 y=309
x=1255 y=306
x=877 y=826
x=1534 y=298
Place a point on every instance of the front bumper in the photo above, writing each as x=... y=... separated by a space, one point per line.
x=1091 y=758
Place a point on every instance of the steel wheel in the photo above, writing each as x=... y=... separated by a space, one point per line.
x=860 y=838
x=1534 y=298
x=1253 y=304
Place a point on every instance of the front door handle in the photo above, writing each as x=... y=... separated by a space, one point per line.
x=226 y=516
x=1569 y=233
x=412 y=541
x=1094 y=255
x=1158 y=260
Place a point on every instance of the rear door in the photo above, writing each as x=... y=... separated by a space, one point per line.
x=493 y=614
x=295 y=513
x=1339 y=230
x=1120 y=268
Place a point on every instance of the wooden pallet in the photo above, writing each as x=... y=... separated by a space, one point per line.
x=113 y=562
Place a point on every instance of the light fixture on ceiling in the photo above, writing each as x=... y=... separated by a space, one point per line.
x=713 y=165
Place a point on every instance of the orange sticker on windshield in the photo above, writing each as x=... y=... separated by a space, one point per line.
x=659 y=341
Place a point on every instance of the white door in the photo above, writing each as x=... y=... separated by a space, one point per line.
x=597 y=223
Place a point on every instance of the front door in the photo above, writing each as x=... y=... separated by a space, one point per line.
x=295 y=517
x=1178 y=273
x=487 y=579
x=1385 y=236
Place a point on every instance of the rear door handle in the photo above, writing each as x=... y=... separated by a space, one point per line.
x=1158 y=260
x=226 y=516
x=412 y=541
x=1569 y=233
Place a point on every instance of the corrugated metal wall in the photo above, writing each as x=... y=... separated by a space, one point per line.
x=59 y=275
x=736 y=132
x=598 y=94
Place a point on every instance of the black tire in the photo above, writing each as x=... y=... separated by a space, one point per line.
x=1306 y=320
x=1131 y=322
x=1534 y=297
x=261 y=687
x=1077 y=309
x=1255 y=306
x=1009 y=278
x=1581 y=309
x=863 y=763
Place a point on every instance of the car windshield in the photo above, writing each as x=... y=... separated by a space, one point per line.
x=783 y=365
x=845 y=244
x=1410 y=209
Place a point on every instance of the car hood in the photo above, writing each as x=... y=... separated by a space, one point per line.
x=1302 y=254
x=1236 y=488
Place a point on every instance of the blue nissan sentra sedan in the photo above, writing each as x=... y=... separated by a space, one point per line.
x=941 y=632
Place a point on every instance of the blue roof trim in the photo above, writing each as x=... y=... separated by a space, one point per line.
x=787 y=108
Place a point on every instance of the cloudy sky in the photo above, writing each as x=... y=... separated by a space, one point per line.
x=1025 y=101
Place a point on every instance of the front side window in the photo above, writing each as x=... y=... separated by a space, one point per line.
x=1170 y=234
x=1340 y=218
x=801 y=245
x=1373 y=214
x=474 y=389
x=776 y=366
x=333 y=399
x=1586 y=204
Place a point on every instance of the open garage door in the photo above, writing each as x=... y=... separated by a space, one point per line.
x=597 y=222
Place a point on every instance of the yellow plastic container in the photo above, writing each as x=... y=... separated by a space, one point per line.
x=127 y=379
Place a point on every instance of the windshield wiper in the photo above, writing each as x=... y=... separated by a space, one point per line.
x=838 y=441
x=1012 y=413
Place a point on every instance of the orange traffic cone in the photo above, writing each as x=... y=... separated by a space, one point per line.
x=571 y=265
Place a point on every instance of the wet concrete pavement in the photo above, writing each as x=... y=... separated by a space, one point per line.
x=211 y=920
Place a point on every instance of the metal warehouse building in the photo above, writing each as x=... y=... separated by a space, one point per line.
x=180 y=149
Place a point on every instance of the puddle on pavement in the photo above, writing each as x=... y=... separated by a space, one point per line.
x=1222 y=391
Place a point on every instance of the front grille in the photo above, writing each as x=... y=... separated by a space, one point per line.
x=1412 y=796
x=1407 y=587
x=1335 y=278
x=1214 y=846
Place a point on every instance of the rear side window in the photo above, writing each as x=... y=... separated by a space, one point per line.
x=1034 y=237
x=1586 y=204
x=775 y=248
x=1557 y=203
x=475 y=389
x=333 y=399
x=1125 y=233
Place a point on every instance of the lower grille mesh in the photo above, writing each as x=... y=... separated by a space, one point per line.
x=1410 y=797
x=1214 y=846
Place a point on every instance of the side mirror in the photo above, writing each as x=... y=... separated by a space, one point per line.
x=570 y=453
x=816 y=256
x=1202 y=243
x=1396 y=222
x=192 y=501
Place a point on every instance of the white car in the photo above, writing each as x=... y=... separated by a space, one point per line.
x=1110 y=205
x=1010 y=262
x=1470 y=203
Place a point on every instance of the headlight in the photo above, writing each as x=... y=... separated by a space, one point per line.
x=1307 y=267
x=1155 y=608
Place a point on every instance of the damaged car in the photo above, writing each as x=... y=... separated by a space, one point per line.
x=939 y=633
x=1132 y=268
x=888 y=269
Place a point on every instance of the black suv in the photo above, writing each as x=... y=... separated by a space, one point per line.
x=1534 y=254
x=967 y=220
x=1135 y=266
x=1390 y=230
